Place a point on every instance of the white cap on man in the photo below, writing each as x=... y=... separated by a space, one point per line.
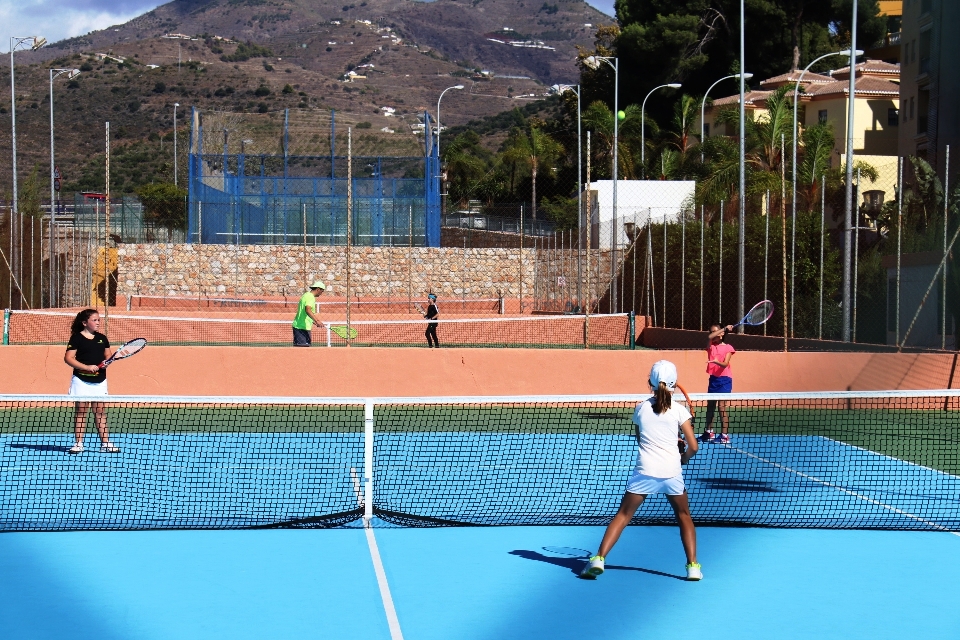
x=663 y=371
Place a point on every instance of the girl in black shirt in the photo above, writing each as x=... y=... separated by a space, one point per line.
x=432 y=313
x=86 y=350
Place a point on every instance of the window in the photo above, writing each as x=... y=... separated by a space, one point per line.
x=912 y=105
x=913 y=51
x=924 y=52
x=706 y=129
x=893 y=117
x=822 y=116
x=923 y=106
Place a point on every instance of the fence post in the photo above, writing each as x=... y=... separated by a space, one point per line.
x=6 y=326
x=368 y=460
x=633 y=329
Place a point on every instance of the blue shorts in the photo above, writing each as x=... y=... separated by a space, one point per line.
x=720 y=384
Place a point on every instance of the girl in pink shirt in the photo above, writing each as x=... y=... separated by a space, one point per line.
x=719 y=354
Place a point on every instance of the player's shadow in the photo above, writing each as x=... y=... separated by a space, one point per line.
x=40 y=447
x=576 y=564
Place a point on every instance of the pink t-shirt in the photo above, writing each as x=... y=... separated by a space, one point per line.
x=719 y=352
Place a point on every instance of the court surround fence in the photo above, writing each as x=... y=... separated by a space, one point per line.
x=864 y=460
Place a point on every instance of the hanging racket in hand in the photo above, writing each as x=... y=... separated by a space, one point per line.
x=128 y=349
x=760 y=313
x=419 y=308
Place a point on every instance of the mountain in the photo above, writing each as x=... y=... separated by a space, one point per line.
x=271 y=55
x=513 y=37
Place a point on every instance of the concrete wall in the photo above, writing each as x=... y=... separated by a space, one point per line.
x=422 y=372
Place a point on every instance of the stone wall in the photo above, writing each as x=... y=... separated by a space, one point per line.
x=284 y=270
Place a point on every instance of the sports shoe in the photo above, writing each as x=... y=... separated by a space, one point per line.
x=593 y=569
x=109 y=447
x=706 y=436
x=693 y=571
x=77 y=448
x=721 y=438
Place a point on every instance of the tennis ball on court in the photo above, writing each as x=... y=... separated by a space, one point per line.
x=621 y=114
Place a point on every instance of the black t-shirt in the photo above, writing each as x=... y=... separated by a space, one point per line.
x=432 y=312
x=89 y=352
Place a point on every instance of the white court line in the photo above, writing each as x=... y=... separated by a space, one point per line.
x=882 y=455
x=847 y=491
x=393 y=622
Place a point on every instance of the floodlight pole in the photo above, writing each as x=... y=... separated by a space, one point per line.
x=793 y=189
x=594 y=63
x=742 y=217
x=848 y=208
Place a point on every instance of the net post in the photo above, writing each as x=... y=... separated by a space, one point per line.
x=327 y=327
x=368 y=460
x=633 y=330
x=6 y=326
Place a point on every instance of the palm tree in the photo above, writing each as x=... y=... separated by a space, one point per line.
x=598 y=118
x=533 y=150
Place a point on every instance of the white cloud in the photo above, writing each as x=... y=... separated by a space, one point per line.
x=55 y=20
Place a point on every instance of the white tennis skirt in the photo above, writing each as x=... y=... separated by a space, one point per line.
x=80 y=388
x=645 y=485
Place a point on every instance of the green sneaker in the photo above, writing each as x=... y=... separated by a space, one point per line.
x=693 y=571
x=593 y=569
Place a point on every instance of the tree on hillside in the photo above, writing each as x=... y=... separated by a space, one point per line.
x=165 y=205
x=697 y=41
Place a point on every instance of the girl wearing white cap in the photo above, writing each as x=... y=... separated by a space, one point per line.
x=657 y=421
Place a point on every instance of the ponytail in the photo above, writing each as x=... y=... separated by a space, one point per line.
x=78 y=323
x=662 y=398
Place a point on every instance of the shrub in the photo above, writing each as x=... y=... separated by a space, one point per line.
x=160 y=87
x=262 y=90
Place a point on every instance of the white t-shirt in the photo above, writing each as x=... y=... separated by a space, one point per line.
x=658 y=455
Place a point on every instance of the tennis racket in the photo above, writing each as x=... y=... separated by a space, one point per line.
x=760 y=313
x=347 y=333
x=128 y=349
x=681 y=443
x=419 y=308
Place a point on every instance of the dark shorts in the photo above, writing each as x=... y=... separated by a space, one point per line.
x=720 y=384
x=301 y=338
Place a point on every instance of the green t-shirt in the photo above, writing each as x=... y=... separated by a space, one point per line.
x=302 y=320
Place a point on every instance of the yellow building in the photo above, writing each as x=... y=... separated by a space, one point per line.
x=825 y=98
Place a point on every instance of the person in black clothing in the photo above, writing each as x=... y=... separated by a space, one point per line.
x=86 y=350
x=432 y=314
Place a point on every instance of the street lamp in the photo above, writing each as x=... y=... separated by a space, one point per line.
x=703 y=104
x=35 y=42
x=456 y=86
x=54 y=73
x=175 y=105
x=580 y=221
x=643 y=126
x=18 y=42
x=593 y=62
x=796 y=98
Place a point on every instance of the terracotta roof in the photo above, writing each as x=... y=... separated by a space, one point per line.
x=868 y=68
x=865 y=85
x=790 y=78
x=750 y=99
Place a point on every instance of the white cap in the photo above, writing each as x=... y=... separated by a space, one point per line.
x=663 y=371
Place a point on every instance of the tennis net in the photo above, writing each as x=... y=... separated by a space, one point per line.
x=536 y=331
x=884 y=460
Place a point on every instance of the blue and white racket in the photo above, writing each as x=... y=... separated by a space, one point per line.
x=760 y=313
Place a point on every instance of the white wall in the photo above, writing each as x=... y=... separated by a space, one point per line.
x=638 y=201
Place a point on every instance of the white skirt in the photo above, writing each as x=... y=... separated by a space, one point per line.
x=80 y=388
x=645 y=485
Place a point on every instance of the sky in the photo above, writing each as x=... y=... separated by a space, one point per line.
x=59 y=19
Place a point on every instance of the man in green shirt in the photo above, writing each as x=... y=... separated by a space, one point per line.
x=303 y=321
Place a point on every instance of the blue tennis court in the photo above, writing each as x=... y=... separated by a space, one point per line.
x=847 y=522
x=476 y=583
